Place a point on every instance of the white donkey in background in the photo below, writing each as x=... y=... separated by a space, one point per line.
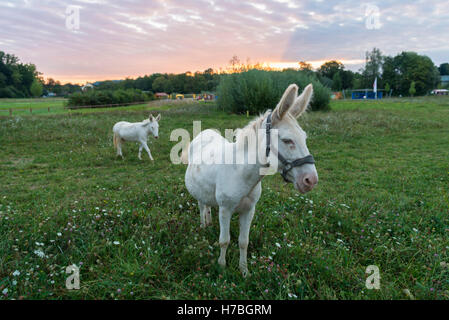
x=237 y=187
x=138 y=132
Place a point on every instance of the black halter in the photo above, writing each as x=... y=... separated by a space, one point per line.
x=287 y=164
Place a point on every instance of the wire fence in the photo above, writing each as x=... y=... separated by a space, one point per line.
x=106 y=105
x=40 y=110
x=10 y=111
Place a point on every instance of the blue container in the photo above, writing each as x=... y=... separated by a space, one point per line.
x=366 y=95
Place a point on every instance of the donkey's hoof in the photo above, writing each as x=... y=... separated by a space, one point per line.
x=208 y=219
x=222 y=262
x=245 y=274
x=206 y=224
x=244 y=271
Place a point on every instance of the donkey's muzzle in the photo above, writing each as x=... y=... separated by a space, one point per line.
x=306 y=182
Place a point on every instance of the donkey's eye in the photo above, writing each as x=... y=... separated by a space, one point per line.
x=287 y=141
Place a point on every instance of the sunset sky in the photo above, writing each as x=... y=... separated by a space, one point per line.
x=124 y=38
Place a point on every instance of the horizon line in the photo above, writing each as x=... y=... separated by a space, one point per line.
x=274 y=65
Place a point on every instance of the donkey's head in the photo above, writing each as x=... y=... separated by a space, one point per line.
x=153 y=125
x=292 y=139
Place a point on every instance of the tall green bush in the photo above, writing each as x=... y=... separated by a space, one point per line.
x=257 y=90
x=36 y=88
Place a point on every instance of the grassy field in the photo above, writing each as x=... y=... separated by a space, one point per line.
x=134 y=230
x=38 y=106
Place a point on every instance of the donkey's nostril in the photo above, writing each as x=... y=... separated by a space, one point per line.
x=310 y=180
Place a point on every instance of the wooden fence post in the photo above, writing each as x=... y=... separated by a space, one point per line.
x=48 y=109
x=10 y=111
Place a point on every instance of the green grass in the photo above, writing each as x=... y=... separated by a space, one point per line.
x=382 y=200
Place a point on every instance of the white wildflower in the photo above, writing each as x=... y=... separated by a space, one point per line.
x=39 y=253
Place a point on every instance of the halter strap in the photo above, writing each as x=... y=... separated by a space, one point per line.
x=287 y=164
x=268 y=129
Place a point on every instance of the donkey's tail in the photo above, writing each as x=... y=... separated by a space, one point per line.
x=115 y=140
x=185 y=154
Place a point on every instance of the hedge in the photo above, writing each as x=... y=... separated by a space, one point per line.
x=104 y=97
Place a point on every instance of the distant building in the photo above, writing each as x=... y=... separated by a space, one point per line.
x=205 y=97
x=444 y=80
x=87 y=86
x=366 y=94
x=440 y=92
x=96 y=84
x=336 y=95
x=161 y=95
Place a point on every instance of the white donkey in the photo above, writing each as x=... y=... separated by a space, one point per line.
x=138 y=132
x=237 y=187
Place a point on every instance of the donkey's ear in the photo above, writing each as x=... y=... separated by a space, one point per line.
x=158 y=117
x=287 y=101
x=302 y=102
x=151 y=117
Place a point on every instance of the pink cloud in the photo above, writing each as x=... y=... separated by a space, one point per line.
x=133 y=37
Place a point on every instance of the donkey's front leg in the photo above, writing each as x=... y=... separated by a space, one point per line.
x=144 y=144
x=205 y=214
x=245 y=224
x=225 y=221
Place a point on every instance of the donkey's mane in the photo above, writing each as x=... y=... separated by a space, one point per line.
x=253 y=125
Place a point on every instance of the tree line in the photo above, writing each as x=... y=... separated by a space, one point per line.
x=17 y=79
x=20 y=80
x=403 y=74
x=182 y=83
x=407 y=73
